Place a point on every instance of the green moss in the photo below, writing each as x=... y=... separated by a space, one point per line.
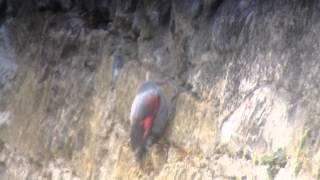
x=274 y=161
x=301 y=151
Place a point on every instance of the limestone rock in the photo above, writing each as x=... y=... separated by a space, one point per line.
x=242 y=79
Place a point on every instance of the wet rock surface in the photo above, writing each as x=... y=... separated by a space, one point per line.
x=242 y=79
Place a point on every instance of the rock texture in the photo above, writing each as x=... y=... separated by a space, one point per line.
x=242 y=78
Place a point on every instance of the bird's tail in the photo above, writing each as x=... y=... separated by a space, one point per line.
x=140 y=153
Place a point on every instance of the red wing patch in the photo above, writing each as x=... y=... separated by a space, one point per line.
x=147 y=123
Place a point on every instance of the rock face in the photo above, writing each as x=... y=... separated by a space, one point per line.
x=242 y=78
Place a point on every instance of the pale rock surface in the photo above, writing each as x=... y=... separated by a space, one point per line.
x=242 y=78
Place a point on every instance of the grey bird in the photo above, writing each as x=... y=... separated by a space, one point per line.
x=148 y=118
